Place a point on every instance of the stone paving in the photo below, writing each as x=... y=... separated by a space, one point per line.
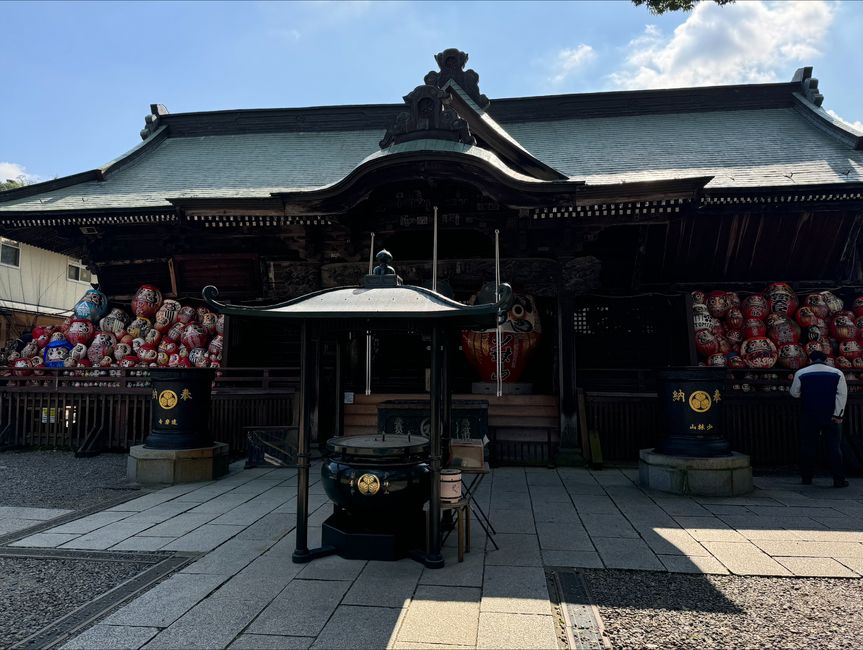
x=244 y=591
x=13 y=519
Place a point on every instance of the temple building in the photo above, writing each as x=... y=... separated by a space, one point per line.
x=609 y=209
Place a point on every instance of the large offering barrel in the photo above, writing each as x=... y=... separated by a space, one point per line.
x=691 y=402
x=180 y=408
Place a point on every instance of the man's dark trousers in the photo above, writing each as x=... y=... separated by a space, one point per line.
x=810 y=428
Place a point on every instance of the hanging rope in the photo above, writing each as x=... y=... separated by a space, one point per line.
x=368 y=334
x=434 y=250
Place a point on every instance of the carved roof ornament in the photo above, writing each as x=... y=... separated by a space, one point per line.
x=429 y=115
x=808 y=85
x=151 y=121
x=452 y=62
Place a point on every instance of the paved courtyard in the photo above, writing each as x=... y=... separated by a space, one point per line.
x=243 y=591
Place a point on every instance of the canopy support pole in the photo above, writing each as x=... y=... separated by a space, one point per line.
x=434 y=559
x=307 y=397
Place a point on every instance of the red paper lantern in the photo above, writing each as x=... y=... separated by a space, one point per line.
x=759 y=352
x=781 y=298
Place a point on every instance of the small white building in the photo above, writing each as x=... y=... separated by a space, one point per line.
x=37 y=287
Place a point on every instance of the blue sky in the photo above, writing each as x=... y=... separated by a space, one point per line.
x=79 y=77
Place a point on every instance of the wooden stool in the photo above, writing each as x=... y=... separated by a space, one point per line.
x=462 y=512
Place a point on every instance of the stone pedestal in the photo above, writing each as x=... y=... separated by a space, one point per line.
x=724 y=476
x=168 y=466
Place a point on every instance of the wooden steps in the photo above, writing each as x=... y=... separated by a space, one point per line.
x=507 y=415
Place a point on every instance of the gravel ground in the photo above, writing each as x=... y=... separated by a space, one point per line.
x=653 y=610
x=56 y=479
x=37 y=592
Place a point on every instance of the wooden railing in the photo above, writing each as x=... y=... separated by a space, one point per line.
x=759 y=417
x=109 y=409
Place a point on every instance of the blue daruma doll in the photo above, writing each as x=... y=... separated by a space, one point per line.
x=92 y=306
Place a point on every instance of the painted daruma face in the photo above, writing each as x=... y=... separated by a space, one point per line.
x=815 y=301
x=759 y=352
x=783 y=330
x=781 y=298
x=755 y=306
x=147 y=301
x=792 y=357
x=717 y=303
x=706 y=343
x=806 y=316
x=843 y=328
x=92 y=306
x=833 y=302
x=80 y=331
x=850 y=350
x=734 y=319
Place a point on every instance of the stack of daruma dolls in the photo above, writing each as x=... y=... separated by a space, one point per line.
x=776 y=328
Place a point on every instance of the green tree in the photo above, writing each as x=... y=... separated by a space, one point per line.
x=12 y=183
x=658 y=7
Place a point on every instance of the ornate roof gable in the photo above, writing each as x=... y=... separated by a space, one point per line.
x=429 y=115
x=452 y=62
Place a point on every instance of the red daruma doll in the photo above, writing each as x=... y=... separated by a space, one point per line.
x=781 y=298
x=759 y=352
x=147 y=301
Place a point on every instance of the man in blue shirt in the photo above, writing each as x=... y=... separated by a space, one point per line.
x=823 y=393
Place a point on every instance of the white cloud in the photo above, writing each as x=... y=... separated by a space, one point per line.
x=570 y=60
x=745 y=42
x=856 y=124
x=14 y=171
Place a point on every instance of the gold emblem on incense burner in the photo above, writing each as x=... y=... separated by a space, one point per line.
x=368 y=484
x=167 y=399
x=699 y=401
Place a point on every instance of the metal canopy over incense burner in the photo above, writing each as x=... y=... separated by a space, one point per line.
x=380 y=483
